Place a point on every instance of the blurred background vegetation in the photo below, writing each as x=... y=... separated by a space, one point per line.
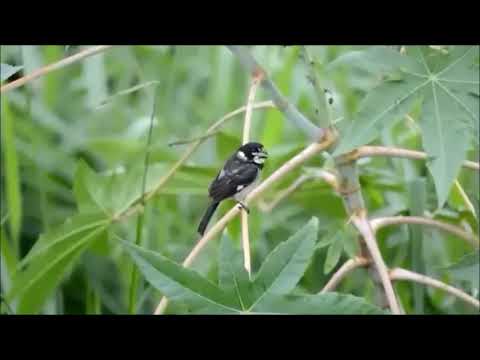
x=81 y=114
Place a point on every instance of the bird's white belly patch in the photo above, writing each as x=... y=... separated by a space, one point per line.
x=243 y=190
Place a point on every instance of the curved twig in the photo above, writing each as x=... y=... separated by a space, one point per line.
x=378 y=223
x=403 y=274
x=363 y=225
x=343 y=271
x=372 y=151
x=325 y=175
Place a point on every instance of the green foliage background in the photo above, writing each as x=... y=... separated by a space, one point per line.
x=73 y=149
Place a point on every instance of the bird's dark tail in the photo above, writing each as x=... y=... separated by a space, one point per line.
x=206 y=217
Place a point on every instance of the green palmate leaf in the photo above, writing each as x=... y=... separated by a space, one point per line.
x=8 y=70
x=232 y=275
x=444 y=139
x=51 y=258
x=329 y=303
x=377 y=59
x=181 y=284
x=448 y=84
x=334 y=252
x=389 y=101
x=285 y=265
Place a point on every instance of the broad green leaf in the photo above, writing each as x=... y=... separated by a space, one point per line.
x=448 y=84
x=285 y=265
x=377 y=59
x=52 y=257
x=322 y=304
x=444 y=139
x=8 y=70
x=388 y=102
x=232 y=275
x=334 y=252
x=179 y=283
x=10 y=169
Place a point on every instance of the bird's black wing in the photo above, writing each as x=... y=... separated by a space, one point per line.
x=226 y=183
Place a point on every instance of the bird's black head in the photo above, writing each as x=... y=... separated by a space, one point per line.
x=252 y=152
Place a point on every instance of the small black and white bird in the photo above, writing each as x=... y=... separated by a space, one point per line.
x=237 y=178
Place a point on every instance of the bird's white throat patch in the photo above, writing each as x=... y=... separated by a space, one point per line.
x=258 y=160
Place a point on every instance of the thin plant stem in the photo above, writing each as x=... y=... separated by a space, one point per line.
x=403 y=274
x=378 y=223
x=343 y=271
x=140 y=220
x=54 y=66
x=246 y=138
x=373 y=151
x=362 y=224
x=466 y=200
